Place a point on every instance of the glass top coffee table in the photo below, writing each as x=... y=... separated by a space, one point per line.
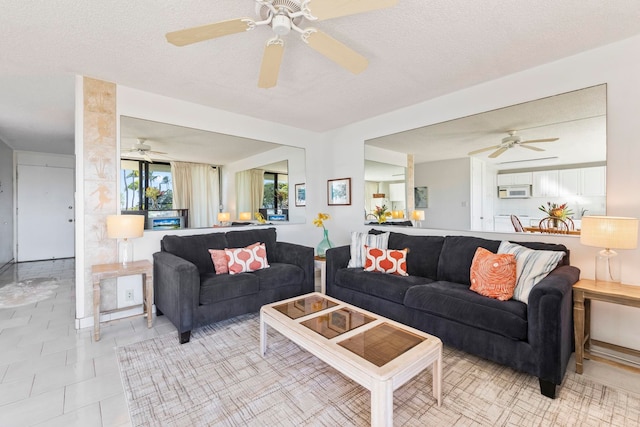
x=376 y=352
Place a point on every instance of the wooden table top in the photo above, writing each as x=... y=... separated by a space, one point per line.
x=551 y=231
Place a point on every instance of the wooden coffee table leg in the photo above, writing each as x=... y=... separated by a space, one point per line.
x=263 y=336
x=437 y=378
x=382 y=404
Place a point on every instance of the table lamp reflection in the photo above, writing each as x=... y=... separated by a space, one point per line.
x=125 y=227
x=224 y=218
x=417 y=216
x=609 y=232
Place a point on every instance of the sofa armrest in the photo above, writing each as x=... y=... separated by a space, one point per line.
x=550 y=318
x=337 y=258
x=176 y=287
x=302 y=256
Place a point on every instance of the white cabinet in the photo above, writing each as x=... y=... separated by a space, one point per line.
x=503 y=224
x=396 y=192
x=594 y=181
x=545 y=183
x=521 y=178
x=582 y=181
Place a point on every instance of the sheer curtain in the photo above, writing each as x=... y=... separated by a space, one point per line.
x=196 y=187
x=250 y=190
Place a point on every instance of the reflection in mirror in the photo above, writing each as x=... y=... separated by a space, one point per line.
x=482 y=169
x=182 y=178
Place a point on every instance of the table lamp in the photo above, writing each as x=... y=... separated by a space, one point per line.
x=609 y=232
x=417 y=216
x=224 y=218
x=125 y=227
x=245 y=216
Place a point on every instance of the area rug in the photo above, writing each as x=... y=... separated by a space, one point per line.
x=220 y=379
x=27 y=292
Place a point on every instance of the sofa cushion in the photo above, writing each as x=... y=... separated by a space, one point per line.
x=195 y=248
x=279 y=275
x=244 y=238
x=457 y=254
x=454 y=301
x=386 y=286
x=423 y=255
x=221 y=287
x=493 y=275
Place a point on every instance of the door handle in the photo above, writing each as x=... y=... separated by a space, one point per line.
x=70 y=220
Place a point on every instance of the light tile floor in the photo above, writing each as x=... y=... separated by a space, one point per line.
x=54 y=375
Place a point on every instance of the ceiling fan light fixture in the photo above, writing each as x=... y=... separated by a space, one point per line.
x=281 y=24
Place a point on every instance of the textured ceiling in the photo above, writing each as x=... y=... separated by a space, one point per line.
x=417 y=50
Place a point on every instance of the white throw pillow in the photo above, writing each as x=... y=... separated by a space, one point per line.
x=358 y=240
x=531 y=267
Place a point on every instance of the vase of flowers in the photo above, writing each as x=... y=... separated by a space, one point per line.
x=556 y=212
x=325 y=244
x=381 y=213
x=153 y=194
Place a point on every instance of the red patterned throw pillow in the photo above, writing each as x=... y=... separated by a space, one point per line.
x=493 y=275
x=247 y=259
x=390 y=261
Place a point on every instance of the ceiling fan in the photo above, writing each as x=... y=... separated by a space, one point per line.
x=283 y=16
x=513 y=140
x=144 y=150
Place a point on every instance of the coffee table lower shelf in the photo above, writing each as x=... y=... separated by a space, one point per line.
x=378 y=353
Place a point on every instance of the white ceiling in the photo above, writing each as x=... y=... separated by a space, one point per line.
x=417 y=50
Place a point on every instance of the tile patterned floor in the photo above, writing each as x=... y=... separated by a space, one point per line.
x=52 y=374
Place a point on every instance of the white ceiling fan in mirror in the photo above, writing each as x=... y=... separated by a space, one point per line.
x=142 y=148
x=512 y=141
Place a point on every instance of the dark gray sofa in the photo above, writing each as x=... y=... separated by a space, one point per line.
x=435 y=298
x=189 y=292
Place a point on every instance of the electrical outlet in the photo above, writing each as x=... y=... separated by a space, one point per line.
x=128 y=296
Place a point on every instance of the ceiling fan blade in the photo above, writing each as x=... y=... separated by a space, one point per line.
x=529 y=141
x=271 y=61
x=531 y=147
x=498 y=152
x=147 y=158
x=335 y=51
x=493 y=147
x=156 y=152
x=210 y=31
x=327 y=9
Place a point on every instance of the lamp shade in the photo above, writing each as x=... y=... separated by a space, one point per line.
x=609 y=232
x=245 y=216
x=417 y=215
x=224 y=217
x=125 y=226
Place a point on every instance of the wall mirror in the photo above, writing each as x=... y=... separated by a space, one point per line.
x=553 y=150
x=147 y=180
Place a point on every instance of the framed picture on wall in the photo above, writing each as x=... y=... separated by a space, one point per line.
x=421 y=195
x=301 y=194
x=339 y=191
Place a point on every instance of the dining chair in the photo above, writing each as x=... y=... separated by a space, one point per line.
x=553 y=225
x=517 y=225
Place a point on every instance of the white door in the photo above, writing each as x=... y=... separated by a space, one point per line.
x=46 y=214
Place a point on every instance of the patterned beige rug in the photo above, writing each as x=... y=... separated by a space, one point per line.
x=219 y=379
x=26 y=292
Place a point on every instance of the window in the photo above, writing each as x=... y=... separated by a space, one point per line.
x=276 y=191
x=145 y=185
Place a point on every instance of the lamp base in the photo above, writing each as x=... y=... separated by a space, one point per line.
x=125 y=252
x=608 y=267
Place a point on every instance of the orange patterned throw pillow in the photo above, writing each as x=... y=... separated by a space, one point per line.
x=493 y=275
x=390 y=261
x=251 y=258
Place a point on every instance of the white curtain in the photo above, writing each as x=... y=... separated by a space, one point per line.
x=196 y=187
x=249 y=190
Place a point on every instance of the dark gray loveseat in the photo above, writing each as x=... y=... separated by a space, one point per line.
x=435 y=298
x=189 y=292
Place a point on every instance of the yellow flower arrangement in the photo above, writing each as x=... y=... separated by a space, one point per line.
x=153 y=193
x=260 y=218
x=320 y=219
x=382 y=213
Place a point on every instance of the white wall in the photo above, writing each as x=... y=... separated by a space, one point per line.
x=6 y=204
x=448 y=185
x=618 y=66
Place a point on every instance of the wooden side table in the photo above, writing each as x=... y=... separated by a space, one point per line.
x=585 y=291
x=321 y=264
x=101 y=272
